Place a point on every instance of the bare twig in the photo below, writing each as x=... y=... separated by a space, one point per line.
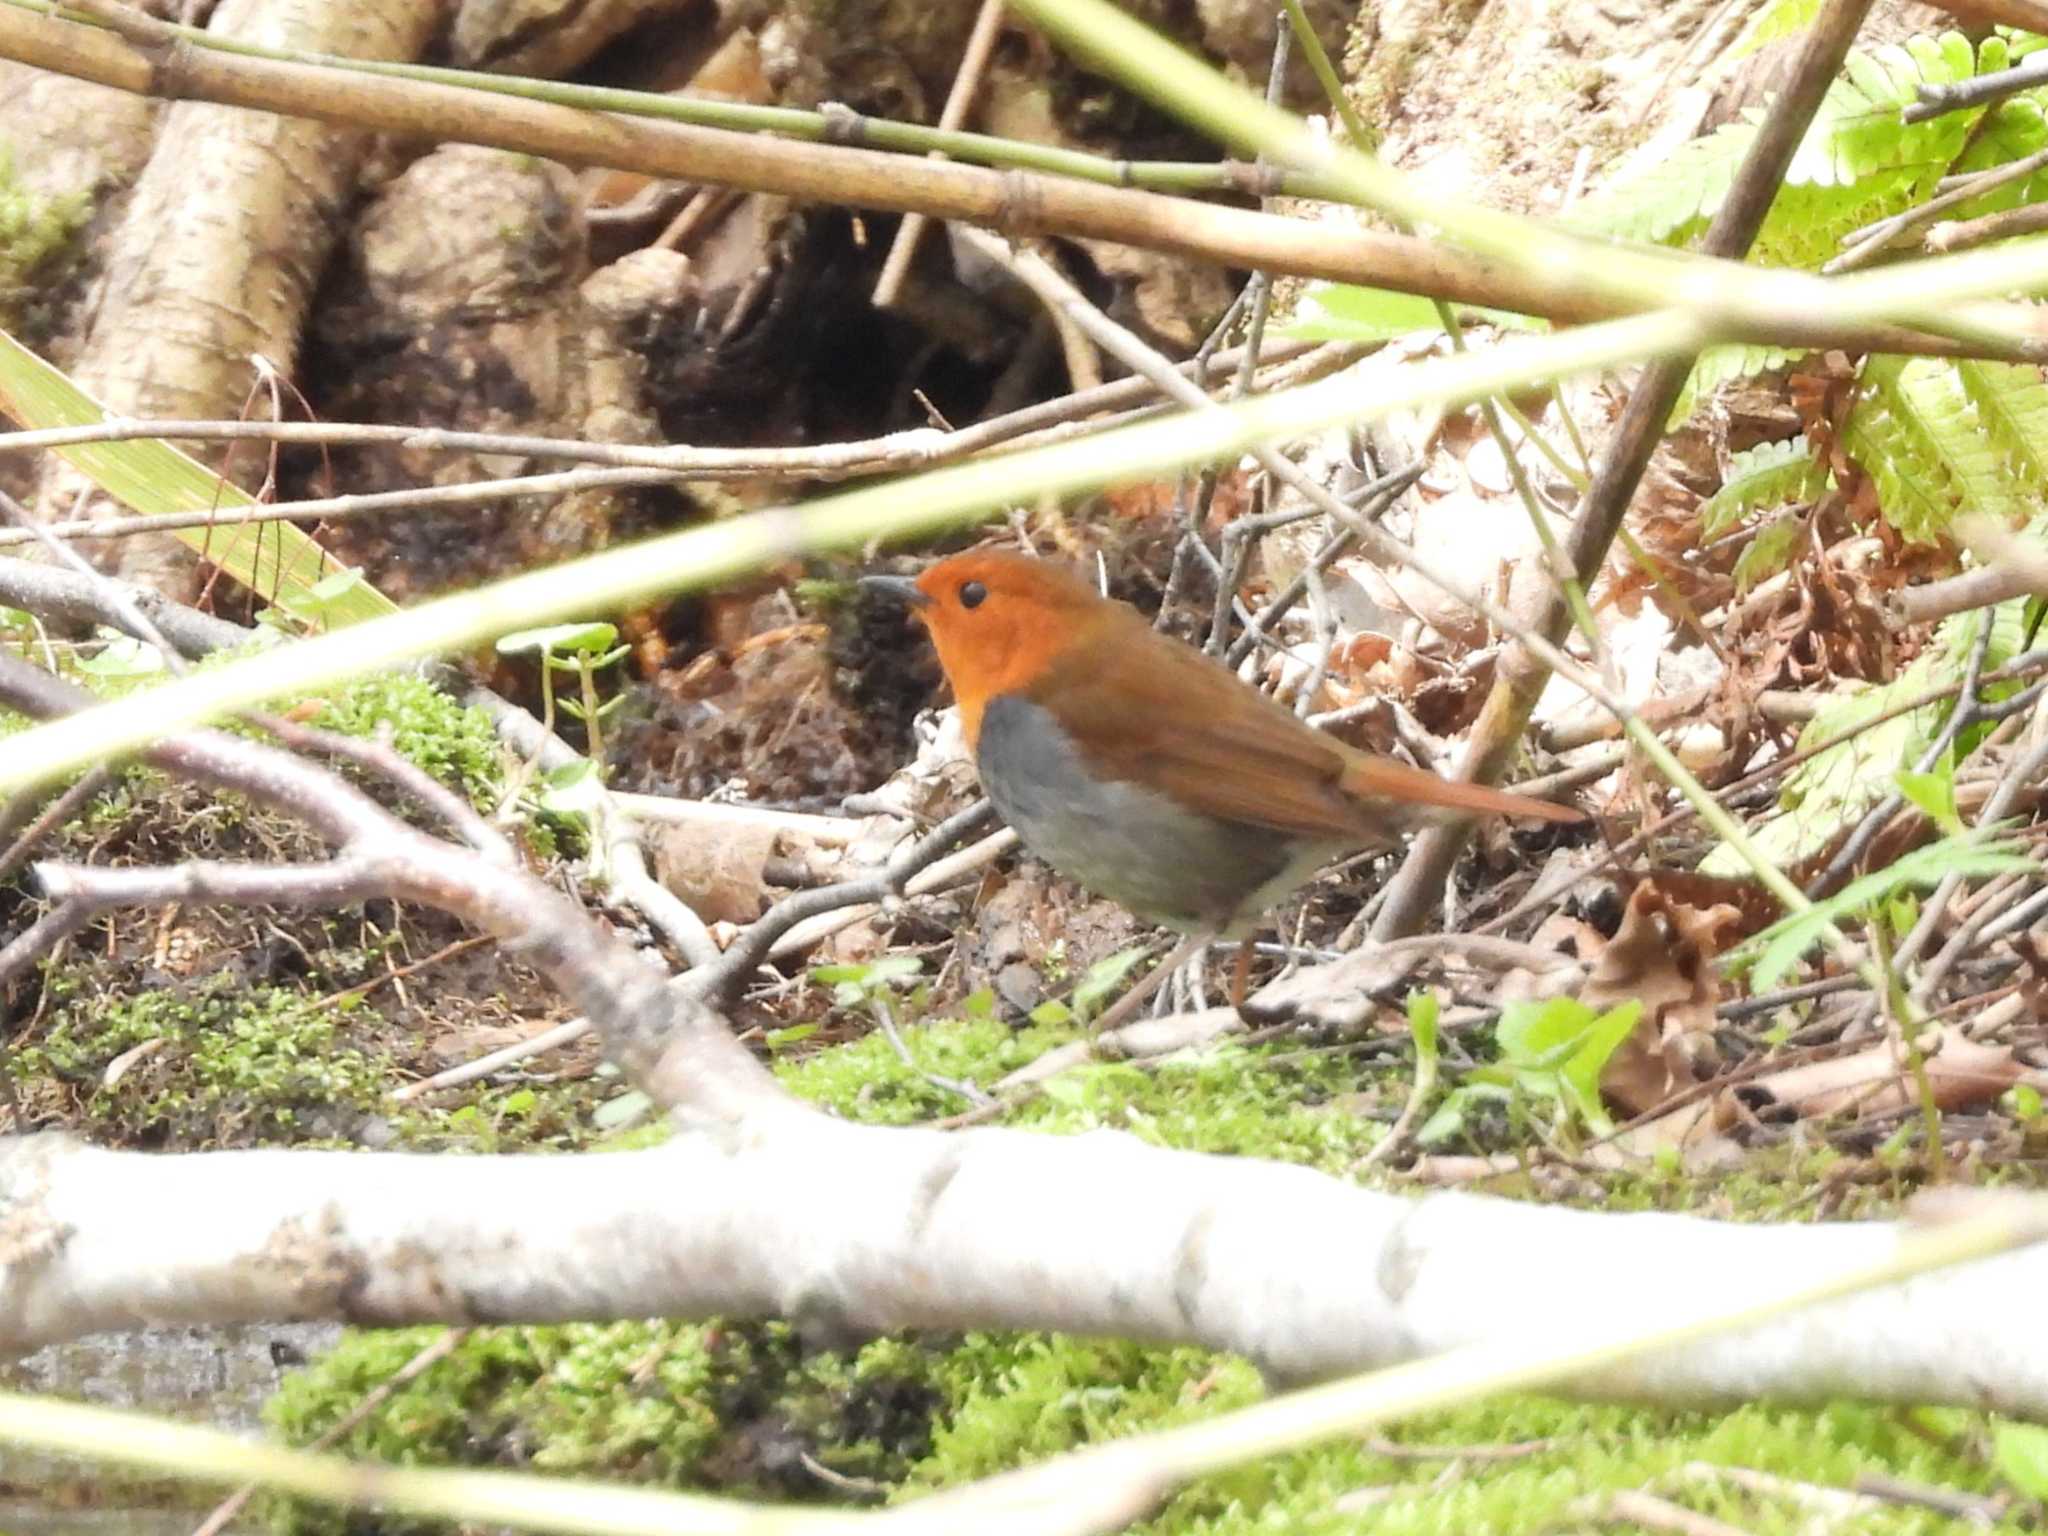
x=1964 y=714
x=981 y=42
x=1866 y=244
x=758 y=942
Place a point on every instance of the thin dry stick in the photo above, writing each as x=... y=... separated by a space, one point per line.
x=1869 y=242
x=1961 y=234
x=2020 y=666
x=981 y=43
x=918 y=448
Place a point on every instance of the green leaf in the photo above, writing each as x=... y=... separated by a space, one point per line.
x=2011 y=130
x=2020 y=1452
x=776 y=1039
x=855 y=981
x=123 y=657
x=1559 y=1047
x=1103 y=978
x=1782 y=18
x=586 y=637
x=1668 y=197
x=1423 y=1009
x=629 y=1108
x=1051 y=1011
x=1938 y=441
x=1902 y=911
x=1935 y=794
x=1349 y=312
x=571 y=791
x=1780 y=946
x=276 y=561
x=1857 y=161
x=1582 y=1072
x=326 y=604
x=1768 y=552
x=2023 y=1101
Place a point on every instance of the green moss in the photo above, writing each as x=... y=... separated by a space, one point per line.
x=36 y=231
x=542 y=1117
x=741 y=1409
x=213 y=1065
x=1583 y=1453
x=448 y=740
x=1013 y=1398
x=451 y=742
x=1278 y=1103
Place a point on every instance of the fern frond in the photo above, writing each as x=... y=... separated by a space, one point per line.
x=1668 y=202
x=1921 y=438
x=1821 y=794
x=1767 y=476
x=1717 y=365
x=2011 y=400
x=1769 y=551
x=1857 y=162
x=1857 y=132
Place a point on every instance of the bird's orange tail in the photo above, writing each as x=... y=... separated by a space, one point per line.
x=1382 y=778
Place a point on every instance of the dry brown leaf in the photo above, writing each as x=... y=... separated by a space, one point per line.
x=1961 y=1072
x=1662 y=955
x=1877 y=1080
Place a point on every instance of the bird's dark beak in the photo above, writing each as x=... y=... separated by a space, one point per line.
x=901 y=588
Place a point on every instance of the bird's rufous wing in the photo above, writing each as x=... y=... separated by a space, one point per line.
x=1147 y=710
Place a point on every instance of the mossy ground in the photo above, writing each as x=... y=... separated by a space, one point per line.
x=750 y=1410
x=216 y=1026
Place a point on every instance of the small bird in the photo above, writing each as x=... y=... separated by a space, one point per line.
x=1146 y=771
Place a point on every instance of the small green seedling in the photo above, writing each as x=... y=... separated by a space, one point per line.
x=315 y=609
x=854 y=984
x=1553 y=1051
x=123 y=659
x=584 y=649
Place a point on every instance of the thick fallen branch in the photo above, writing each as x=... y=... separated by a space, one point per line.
x=852 y=1228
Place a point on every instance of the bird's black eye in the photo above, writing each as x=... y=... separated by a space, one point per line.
x=971 y=594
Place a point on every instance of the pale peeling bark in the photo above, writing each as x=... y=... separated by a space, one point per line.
x=224 y=239
x=851 y=1228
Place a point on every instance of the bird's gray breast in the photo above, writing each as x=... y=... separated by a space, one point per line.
x=1121 y=840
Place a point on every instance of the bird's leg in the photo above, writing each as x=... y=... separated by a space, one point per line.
x=1240 y=979
x=1126 y=1007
